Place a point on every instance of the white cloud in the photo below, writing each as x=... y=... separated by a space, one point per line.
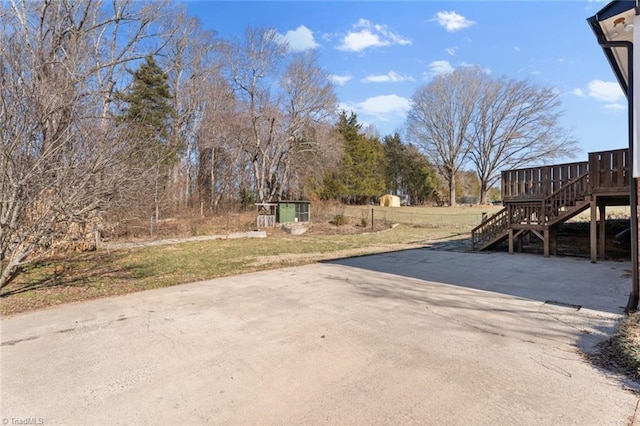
x=300 y=39
x=484 y=69
x=516 y=48
x=451 y=51
x=451 y=21
x=606 y=91
x=340 y=80
x=385 y=107
x=390 y=77
x=579 y=93
x=440 y=67
x=370 y=35
x=615 y=106
x=357 y=42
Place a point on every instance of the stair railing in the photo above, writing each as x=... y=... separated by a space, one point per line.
x=566 y=196
x=490 y=228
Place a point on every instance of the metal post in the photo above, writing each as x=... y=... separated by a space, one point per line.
x=371 y=217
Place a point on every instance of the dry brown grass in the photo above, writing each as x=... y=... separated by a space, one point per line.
x=621 y=353
x=76 y=277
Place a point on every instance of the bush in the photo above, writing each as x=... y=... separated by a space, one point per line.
x=339 y=220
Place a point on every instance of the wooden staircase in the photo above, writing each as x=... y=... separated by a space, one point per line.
x=491 y=231
x=538 y=199
x=539 y=217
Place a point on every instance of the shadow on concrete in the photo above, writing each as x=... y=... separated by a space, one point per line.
x=562 y=281
x=566 y=288
x=490 y=313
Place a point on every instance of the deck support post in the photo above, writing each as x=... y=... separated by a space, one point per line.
x=510 y=241
x=602 y=209
x=545 y=242
x=593 y=231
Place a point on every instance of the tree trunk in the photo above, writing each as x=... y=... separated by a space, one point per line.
x=452 y=190
x=484 y=191
x=11 y=271
x=156 y=197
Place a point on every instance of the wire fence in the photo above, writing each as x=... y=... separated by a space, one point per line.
x=370 y=215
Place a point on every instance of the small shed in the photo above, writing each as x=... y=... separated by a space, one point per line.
x=390 y=201
x=293 y=211
x=270 y=214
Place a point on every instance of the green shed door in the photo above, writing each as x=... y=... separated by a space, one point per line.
x=287 y=212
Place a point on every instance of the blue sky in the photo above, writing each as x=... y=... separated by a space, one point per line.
x=378 y=52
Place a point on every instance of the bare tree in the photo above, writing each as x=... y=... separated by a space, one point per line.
x=253 y=65
x=515 y=124
x=189 y=60
x=60 y=159
x=440 y=120
x=283 y=97
x=220 y=141
x=309 y=104
x=310 y=167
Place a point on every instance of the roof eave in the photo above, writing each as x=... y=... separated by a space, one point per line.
x=612 y=9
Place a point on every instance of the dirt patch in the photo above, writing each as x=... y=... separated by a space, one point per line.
x=621 y=353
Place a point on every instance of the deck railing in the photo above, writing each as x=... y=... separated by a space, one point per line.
x=609 y=170
x=609 y=173
x=527 y=213
x=539 y=182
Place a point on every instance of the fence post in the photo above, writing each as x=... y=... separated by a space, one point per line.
x=371 y=217
x=151 y=227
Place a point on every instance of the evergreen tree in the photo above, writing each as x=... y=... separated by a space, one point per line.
x=419 y=178
x=363 y=170
x=148 y=111
x=394 y=151
x=408 y=171
x=147 y=114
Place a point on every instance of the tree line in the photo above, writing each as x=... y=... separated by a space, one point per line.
x=113 y=110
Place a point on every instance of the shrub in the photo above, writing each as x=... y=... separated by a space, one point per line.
x=339 y=220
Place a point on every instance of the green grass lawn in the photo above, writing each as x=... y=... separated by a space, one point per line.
x=84 y=276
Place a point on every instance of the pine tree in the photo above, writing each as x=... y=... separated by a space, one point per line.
x=147 y=114
x=364 y=166
x=394 y=151
x=148 y=110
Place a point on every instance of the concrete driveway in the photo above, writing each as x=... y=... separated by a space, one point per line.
x=412 y=337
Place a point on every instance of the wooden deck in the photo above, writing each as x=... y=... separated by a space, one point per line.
x=538 y=199
x=608 y=173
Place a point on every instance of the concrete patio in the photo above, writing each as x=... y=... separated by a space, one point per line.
x=410 y=337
